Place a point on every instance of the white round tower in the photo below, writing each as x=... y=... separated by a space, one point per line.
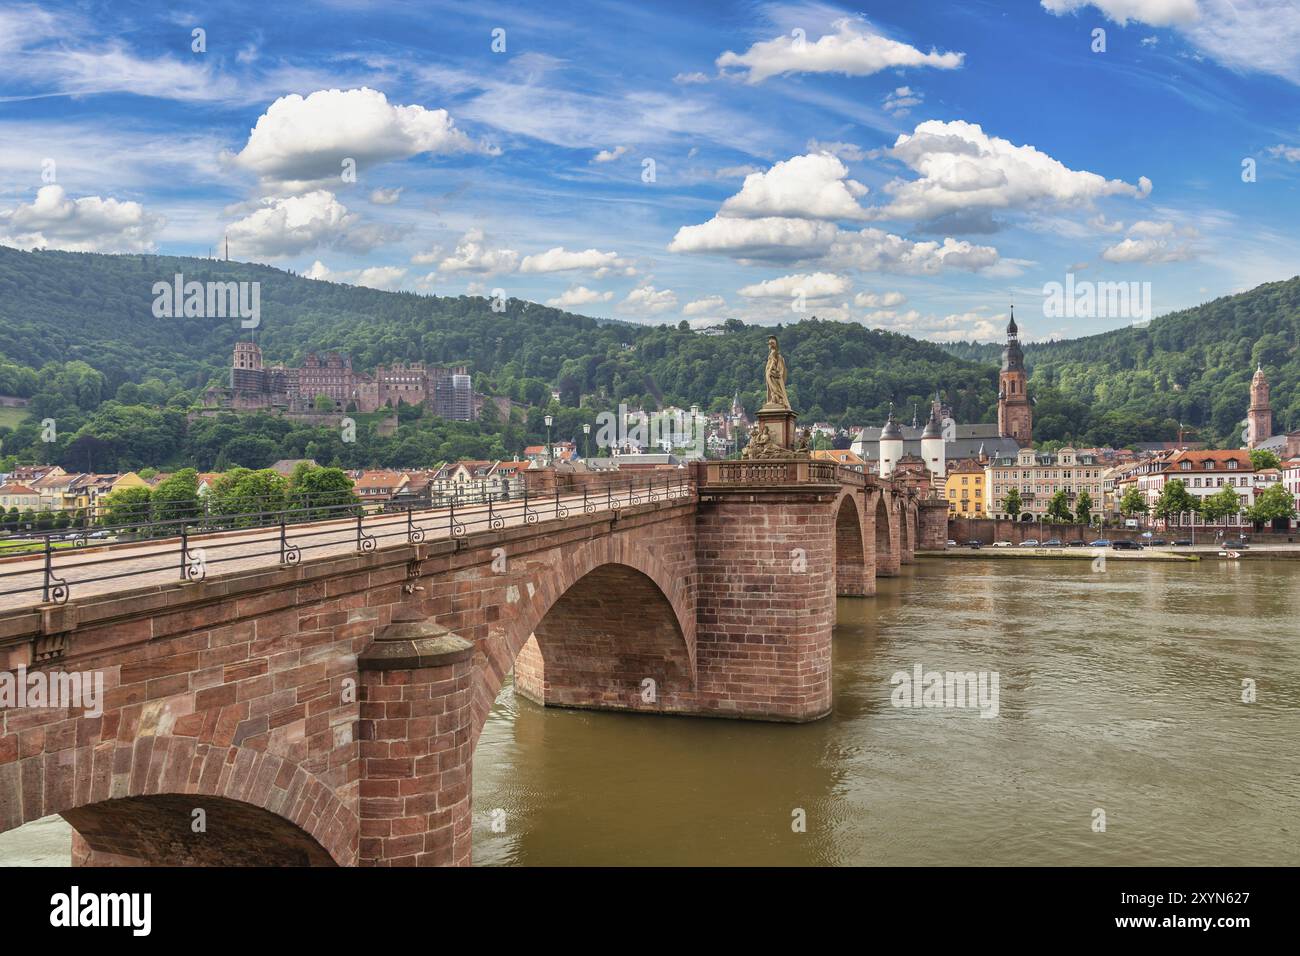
x=932 y=448
x=891 y=446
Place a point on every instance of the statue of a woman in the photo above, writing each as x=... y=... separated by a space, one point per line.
x=774 y=374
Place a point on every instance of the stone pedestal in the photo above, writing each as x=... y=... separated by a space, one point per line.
x=780 y=425
x=416 y=751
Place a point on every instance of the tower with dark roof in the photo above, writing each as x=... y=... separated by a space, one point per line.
x=1015 y=414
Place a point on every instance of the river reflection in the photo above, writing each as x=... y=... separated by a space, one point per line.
x=1119 y=691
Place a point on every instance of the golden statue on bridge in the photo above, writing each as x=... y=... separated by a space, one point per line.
x=774 y=374
x=774 y=434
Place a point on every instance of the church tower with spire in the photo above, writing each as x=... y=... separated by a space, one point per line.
x=1259 y=417
x=1015 y=414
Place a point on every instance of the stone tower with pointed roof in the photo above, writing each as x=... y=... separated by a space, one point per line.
x=1015 y=414
x=1259 y=417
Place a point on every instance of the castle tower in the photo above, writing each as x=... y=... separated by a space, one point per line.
x=246 y=372
x=891 y=445
x=1015 y=414
x=1259 y=417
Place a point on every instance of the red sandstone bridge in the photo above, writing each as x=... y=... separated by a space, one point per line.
x=317 y=689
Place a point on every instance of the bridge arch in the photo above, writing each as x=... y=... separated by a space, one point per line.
x=589 y=629
x=850 y=546
x=135 y=803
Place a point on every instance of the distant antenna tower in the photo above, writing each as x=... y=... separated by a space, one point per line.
x=227 y=248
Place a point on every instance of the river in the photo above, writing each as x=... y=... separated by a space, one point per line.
x=1119 y=692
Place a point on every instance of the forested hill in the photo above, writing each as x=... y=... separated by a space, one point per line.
x=58 y=308
x=1192 y=366
x=78 y=330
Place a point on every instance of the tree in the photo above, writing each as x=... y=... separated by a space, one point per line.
x=1261 y=458
x=1133 y=502
x=176 y=499
x=327 y=492
x=1058 y=509
x=1222 y=504
x=1275 y=504
x=128 y=509
x=244 y=498
x=323 y=403
x=1083 y=508
x=1175 y=500
x=1012 y=504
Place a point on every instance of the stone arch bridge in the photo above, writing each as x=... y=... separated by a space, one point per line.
x=325 y=712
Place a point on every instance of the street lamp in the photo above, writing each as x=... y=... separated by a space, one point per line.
x=550 y=453
x=586 y=431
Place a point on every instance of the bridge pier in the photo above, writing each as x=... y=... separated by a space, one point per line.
x=932 y=524
x=767 y=584
x=415 y=732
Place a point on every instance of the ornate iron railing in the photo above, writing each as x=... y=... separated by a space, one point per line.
x=51 y=565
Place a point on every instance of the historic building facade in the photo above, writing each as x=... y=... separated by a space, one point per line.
x=447 y=391
x=1038 y=477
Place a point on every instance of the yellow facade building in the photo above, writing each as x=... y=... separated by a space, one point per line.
x=964 y=489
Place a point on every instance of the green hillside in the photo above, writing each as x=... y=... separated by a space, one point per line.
x=78 y=336
x=1192 y=367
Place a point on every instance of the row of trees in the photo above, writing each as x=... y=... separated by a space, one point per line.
x=240 y=498
x=1273 y=504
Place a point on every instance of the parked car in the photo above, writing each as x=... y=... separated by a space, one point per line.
x=1126 y=545
x=1029 y=543
x=975 y=544
x=1001 y=544
x=1157 y=543
x=1077 y=544
x=1100 y=543
x=951 y=543
x=1052 y=543
x=98 y=534
x=1183 y=543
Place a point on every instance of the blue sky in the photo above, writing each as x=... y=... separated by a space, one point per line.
x=912 y=166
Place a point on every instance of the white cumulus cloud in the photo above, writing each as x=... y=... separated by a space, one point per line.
x=472 y=254
x=853 y=50
x=89 y=224
x=287 y=225
x=874 y=300
x=705 y=306
x=559 y=259
x=960 y=167
x=815 y=186
x=578 y=295
x=386 y=278
x=818 y=285
x=647 y=300
x=300 y=143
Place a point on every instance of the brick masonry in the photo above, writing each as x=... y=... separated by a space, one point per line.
x=250 y=696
